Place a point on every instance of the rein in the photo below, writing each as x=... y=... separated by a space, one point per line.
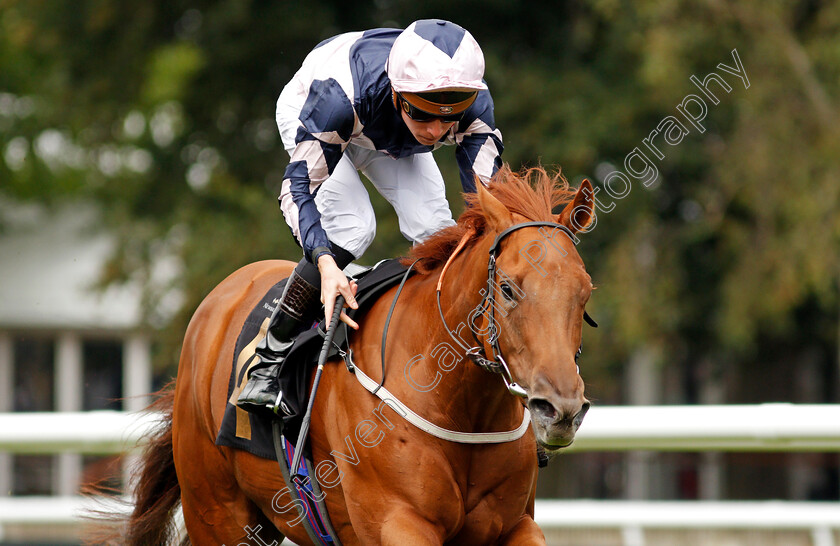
x=388 y=322
x=377 y=389
x=477 y=354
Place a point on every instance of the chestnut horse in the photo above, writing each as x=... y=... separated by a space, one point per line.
x=386 y=481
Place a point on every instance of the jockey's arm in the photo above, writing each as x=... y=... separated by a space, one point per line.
x=333 y=283
x=480 y=146
x=326 y=124
x=315 y=244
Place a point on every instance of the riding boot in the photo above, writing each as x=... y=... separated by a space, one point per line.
x=298 y=304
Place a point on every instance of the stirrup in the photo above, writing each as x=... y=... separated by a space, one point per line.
x=261 y=394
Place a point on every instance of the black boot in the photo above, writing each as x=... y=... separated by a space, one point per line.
x=298 y=304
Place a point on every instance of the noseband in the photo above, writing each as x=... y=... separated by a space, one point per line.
x=477 y=354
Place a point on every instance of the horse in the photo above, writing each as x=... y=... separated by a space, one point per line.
x=386 y=481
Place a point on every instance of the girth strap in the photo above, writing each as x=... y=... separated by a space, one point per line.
x=294 y=491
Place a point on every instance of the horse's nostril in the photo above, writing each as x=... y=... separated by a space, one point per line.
x=543 y=408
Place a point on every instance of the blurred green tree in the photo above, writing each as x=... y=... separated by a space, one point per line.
x=163 y=113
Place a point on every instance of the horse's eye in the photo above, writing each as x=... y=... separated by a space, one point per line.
x=579 y=351
x=507 y=291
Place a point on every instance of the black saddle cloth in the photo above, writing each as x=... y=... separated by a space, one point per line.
x=243 y=430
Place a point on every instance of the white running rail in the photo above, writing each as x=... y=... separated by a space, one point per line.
x=764 y=427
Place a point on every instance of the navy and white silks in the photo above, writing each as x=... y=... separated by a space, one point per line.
x=336 y=117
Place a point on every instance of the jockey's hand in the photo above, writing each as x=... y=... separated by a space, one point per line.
x=333 y=283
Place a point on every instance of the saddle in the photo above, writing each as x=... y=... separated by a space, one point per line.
x=253 y=433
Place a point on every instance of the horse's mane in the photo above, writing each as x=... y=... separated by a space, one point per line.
x=532 y=193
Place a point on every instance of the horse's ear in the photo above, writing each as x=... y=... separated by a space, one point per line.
x=580 y=212
x=497 y=215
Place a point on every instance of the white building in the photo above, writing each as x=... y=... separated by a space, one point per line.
x=64 y=345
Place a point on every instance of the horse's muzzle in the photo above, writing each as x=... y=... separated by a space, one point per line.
x=555 y=424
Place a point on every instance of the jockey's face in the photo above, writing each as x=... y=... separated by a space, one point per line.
x=429 y=132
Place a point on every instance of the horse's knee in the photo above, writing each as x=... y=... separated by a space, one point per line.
x=410 y=529
x=526 y=533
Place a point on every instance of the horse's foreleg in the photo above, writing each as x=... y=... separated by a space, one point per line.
x=524 y=533
x=405 y=527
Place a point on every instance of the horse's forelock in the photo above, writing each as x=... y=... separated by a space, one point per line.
x=532 y=193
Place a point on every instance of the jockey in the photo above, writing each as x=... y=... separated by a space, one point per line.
x=378 y=102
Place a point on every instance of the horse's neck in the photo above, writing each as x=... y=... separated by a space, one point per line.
x=473 y=397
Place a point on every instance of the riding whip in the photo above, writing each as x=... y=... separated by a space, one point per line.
x=322 y=358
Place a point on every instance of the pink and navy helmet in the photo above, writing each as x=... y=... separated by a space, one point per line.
x=433 y=55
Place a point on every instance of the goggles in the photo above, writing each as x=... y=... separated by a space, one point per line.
x=447 y=106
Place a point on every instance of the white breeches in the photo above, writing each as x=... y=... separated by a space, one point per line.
x=412 y=185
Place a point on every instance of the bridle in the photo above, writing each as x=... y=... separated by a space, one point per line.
x=477 y=354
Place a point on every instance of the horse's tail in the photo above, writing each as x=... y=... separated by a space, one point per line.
x=157 y=492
